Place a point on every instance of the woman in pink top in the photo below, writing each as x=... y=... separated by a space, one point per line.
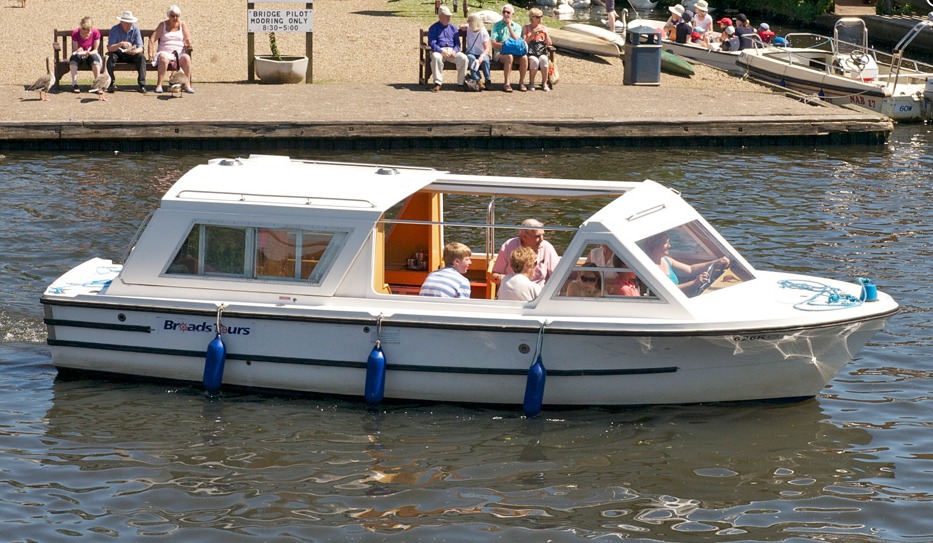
x=85 y=40
x=171 y=37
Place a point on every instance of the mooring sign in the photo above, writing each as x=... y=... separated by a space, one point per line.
x=280 y=20
x=270 y=21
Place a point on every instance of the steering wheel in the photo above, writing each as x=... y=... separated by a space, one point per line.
x=713 y=272
x=857 y=60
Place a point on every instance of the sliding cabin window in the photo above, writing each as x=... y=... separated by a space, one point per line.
x=600 y=273
x=256 y=253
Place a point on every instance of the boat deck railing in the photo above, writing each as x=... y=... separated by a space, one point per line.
x=893 y=69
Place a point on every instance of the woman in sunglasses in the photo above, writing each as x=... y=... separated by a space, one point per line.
x=586 y=284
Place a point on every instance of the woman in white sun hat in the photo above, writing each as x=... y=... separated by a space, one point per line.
x=702 y=17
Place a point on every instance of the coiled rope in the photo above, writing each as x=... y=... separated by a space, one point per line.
x=826 y=298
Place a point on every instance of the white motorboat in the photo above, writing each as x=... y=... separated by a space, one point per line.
x=711 y=56
x=843 y=69
x=577 y=42
x=597 y=32
x=272 y=273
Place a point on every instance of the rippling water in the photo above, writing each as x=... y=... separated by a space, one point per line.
x=139 y=461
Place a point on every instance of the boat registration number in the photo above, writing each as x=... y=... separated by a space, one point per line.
x=862 y=101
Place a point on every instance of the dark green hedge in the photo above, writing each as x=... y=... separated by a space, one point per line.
x=786 y=10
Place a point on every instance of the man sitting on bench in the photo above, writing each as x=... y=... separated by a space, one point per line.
x=125 y=44
x=444 y=41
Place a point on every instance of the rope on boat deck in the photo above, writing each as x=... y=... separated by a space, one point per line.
x=834 y=298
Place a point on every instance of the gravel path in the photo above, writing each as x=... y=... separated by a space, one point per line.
x=346 y=34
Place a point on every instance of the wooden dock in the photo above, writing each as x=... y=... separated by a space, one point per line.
x=238 y=116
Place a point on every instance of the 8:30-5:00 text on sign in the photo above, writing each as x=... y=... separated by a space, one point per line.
x=280 y=20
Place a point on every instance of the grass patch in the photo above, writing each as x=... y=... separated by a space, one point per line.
x=423 y=11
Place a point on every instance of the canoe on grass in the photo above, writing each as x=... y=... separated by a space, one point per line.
x=675 y=64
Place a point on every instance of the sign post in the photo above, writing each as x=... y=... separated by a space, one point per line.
x=281 y=21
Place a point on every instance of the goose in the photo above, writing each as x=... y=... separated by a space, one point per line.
x=44 y=83
x=100 y=85
x=178 y=80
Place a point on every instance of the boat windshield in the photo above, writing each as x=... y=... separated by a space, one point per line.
x=694 y=259
x=256 y=253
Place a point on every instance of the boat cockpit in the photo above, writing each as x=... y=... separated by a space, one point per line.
x=605 y=235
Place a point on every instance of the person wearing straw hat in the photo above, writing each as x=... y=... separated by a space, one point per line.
x=669 y=30
x=125 y=44
x=701 y=17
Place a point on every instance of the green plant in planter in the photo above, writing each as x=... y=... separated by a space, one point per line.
x=274 y=47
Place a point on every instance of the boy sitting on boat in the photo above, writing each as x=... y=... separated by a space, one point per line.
x=449 y=281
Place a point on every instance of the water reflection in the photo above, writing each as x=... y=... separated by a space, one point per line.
x=240 y=461
x=136 y=461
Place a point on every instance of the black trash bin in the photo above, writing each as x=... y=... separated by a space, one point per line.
x=642 y=59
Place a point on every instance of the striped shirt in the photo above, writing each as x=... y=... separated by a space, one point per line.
x=446 y=283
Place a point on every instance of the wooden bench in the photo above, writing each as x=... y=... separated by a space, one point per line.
x=424 y=57
x=62 y=46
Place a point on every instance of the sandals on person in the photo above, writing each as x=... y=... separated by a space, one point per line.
x=507 y=88
x=522 y=88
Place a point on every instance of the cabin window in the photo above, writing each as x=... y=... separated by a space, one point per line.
x=224 y=250
x=600 y=272
x=688 y=245
x=261 y=253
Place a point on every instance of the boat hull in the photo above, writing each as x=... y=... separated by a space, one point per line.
x=326 y=352
x=673 y=63
x=582 y=43
x=722 y=60
x=905 y=105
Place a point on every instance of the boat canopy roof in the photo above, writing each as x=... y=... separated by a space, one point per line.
x=351 y=189
x=281 y=181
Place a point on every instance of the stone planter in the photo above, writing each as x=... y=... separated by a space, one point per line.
x=285 y=70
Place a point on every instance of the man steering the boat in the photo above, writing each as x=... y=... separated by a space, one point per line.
x=531 y=235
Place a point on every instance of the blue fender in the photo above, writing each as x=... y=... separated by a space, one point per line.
x=214 y=364
x=375 y=375
x=534 y=388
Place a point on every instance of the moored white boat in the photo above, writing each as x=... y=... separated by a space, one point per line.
x=711 y=56
x=582 y=43
x=304 y=274
x=596 y=32
x=844 y=69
